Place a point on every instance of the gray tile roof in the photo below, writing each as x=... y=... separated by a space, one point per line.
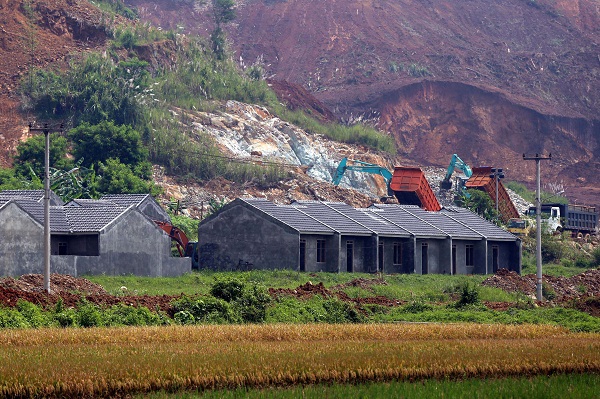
x=401 y=216
x=479 y=224
x=34 y=195
x=81 y=202
x=69 y=219
x=290 y=216
x=335 y=219
x=125 y=199
x=92 y=219
x=370 y=220
x=446 y=224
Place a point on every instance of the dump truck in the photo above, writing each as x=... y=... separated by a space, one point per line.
x=519 y=226
x=580 y=220
x=481 y=180
x=410 y=187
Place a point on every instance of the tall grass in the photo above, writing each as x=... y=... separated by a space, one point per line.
x=121 y=361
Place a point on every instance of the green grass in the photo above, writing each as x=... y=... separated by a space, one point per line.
x=405 y=287
x=573 y=386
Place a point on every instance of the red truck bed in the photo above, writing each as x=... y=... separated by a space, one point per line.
x=411 y=188
x=481 y=180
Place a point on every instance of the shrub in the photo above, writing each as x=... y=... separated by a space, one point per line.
x=469 y=295
x=33 y=314
x=228 y=290
x=205 y=310
x=88 y=315
x=416 y=307
x=338 y=311
x=121 y=314
x=252 y=304
x=12 y=318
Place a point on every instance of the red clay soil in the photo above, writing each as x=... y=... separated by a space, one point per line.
x=308 y=290
x=72 y=290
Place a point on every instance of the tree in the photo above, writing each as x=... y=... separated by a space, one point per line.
x=117 y=178
x=30 y=155
x=481 y=203
x=223 y=12
x=97 y=143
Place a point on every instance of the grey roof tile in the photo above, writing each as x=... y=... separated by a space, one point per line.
x=332 y=217
x=479 y=224
x=125 y=199
x=448 y=225
x=34 y=195
x=370 y=220
x=401 y=215
x=91 y=219
x=290 y=216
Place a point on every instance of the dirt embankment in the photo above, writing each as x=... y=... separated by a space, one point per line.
x=581 y=291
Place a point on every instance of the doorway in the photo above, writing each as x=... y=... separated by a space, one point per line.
x=302 y=255
x=424 y=258
x=350 y=256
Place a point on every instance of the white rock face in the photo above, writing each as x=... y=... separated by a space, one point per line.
x=247 y=130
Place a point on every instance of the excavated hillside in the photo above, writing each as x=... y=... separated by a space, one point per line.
x=486 y=80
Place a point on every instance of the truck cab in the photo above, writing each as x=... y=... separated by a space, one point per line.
x=551 y=218
x=519 y=226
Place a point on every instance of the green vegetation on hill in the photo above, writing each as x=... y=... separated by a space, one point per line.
x=134 y=103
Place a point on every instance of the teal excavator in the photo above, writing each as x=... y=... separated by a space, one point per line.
x=455 y=163
x=361 y=166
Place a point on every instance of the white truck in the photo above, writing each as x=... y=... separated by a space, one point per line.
x=580 y=220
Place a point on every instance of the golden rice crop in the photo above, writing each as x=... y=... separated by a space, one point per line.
x=120 y=361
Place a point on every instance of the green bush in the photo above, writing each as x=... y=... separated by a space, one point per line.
x=34 y=316
x=469 y=295
x=88 y=315
x=338 y=311
x=120 y=314
x=12 y=318
x=252 y=305
x=205 y=309
x=227 y=289
x=416 y=307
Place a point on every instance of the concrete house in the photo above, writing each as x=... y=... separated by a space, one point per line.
x=87 y=237
x=334 y=237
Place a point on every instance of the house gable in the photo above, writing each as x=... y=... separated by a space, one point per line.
x=21 y=241
x=241 y=236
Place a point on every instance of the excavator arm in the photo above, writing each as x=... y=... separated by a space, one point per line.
x=361 y=167
x=176 y=234
x=455 y=163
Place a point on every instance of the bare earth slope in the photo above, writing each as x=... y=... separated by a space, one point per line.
x=486 y=80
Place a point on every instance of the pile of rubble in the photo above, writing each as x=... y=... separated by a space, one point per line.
x=565 y=288
x=59 y=283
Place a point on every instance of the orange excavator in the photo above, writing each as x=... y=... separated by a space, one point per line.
x=185 y=247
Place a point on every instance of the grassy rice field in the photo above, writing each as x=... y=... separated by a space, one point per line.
x=572 y=386
x=123 y=361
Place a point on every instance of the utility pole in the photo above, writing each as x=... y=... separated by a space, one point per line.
x=497 y=174
x=538 y=219
x=46 y=130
